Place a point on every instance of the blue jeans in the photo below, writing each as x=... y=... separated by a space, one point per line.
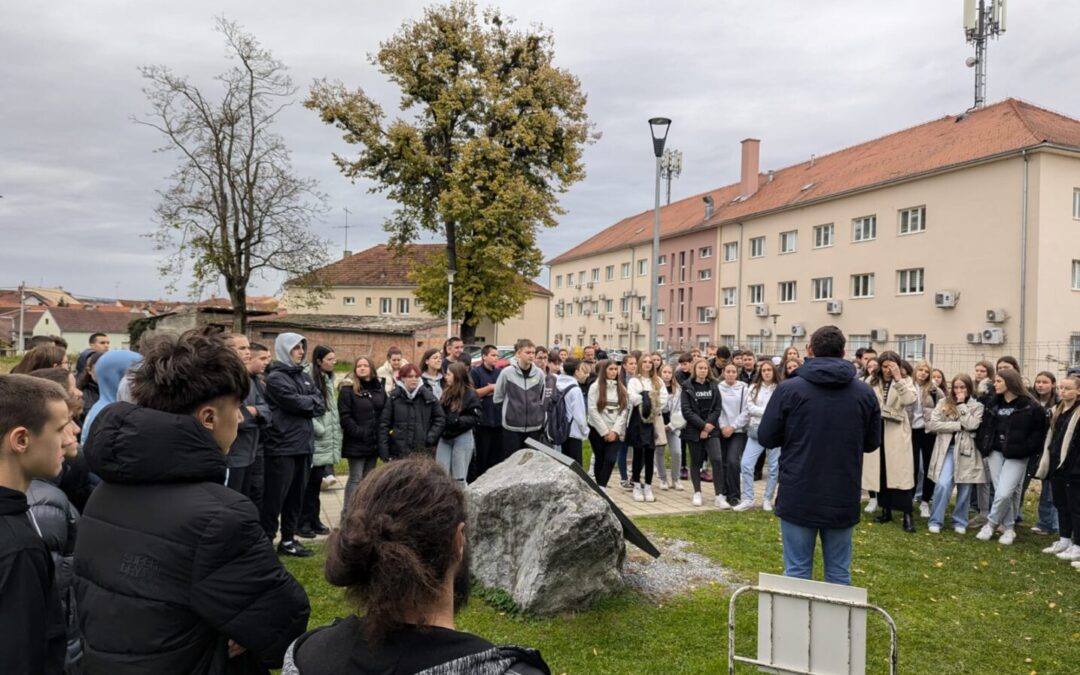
x=1008 y=477
x=943 y=490
x=454 y=454
x=1048 y=516
x=749 y=462
x=799 y=543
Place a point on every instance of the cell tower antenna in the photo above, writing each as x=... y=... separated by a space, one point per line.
x=983 y=19
x=670 y=167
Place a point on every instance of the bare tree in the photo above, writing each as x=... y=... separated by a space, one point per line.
x=234 y=207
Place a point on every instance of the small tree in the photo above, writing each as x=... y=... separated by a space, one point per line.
x=234 y=208
x=497 y=133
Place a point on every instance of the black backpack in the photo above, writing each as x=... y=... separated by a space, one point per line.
x=557 y=425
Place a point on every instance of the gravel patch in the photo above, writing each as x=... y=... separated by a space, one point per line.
x=676 y=571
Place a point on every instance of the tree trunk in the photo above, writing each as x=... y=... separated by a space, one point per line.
x=240 y=311
x=468 y=332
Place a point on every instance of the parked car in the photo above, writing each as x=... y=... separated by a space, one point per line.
x=505 y=353
x=616 y=355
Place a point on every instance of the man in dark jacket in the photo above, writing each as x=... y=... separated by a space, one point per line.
x=173 y=572
x=824 y=419
x=488 y=432
x=33 y=417
x=290 y=440
x=256 y=412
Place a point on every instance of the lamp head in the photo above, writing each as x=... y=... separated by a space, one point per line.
x=659 y=127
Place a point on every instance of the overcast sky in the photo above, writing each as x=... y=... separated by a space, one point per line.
x=78 y=178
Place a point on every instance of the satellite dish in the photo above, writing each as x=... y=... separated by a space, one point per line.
x=970 y=61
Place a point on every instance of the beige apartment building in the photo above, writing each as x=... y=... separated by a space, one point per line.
x=375 y=282
x=954 y=240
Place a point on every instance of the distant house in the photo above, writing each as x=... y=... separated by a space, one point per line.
x=375 y=283
x=76 y=325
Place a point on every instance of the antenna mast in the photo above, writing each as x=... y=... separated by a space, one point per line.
x=346 y=228
x=983 y=19
x=670 y=167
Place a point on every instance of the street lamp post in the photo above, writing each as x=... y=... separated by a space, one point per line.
x=450 y=305
x=659 y=127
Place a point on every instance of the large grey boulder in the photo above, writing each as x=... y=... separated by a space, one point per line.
x=539 y=532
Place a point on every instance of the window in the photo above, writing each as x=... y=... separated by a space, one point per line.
x=913 y=220
x=626 y=270
x=609 y=306
x=609 y=273
x=755 y=343
x=705 y=252
x=755 y=294
x=661 y=280
x=1076 y=275
x=403 y=306
x=682 y=266
x=596 y=307
x=660 y=317
x=661 y=260
x=728 y=296
x=862 y=285
x=702 y=315
x=789 y=241
x=570 y=279
x=349 y=300
x=705 y=274
x=911 y=347
x=596 y=274
x=864 y=229
x=367 y=301
x=786 y=291
x=1076 y=203
x=822 y=288
x=581 y=278
x=858 y=342
x=909 y=282
x=731 y=251
x=558 y=281
x=570 y=309
x=386 y=305
x=642 y=267
x=823 y=235
x=624 y=306
x=728 y=340
x=757 y=247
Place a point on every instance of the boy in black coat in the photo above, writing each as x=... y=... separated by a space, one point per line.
x=33 y=415
x=173 y=572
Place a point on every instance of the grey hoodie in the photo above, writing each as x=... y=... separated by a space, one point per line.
x=522 y=398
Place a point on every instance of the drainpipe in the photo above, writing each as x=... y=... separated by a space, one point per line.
x=738 y=290
x=1023 y=260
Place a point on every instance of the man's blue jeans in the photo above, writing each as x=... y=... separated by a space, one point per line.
x=799 y=543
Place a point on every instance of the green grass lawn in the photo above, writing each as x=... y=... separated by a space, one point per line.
x=961 y=606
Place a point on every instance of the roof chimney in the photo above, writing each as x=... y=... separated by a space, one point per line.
x=347 y=253
x=709 y=206
x=751 y=157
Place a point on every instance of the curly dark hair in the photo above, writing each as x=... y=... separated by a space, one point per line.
x=178 y=375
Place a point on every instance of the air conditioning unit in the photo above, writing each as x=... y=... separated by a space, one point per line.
x=586 y=311
x=993 y=336
x=879 y=335
x=626 y=314
x=589 y=285
x=602 y=296
x=581 y=329
x=559 y=311
x=710 y=312
x=798 y=330
x=635 y=328
x=995 y=316
x=576 y=298
x=974 y=338
x=761 y=310
x=628 y=294
x=834 y=307
x=586 y=298
x=578 y=286
x=946 y=299
x=766 y=332
x=601 y=316
x=621 y=325
x=646 y=313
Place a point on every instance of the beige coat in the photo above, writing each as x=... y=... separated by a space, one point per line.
x=1045 y=469
x=897 y=426
x=968 y=464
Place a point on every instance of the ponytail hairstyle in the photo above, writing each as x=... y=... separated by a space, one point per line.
x=396 y=545
x=317 y=355
x=949 y=407
x=601 y=386
x=453 y=396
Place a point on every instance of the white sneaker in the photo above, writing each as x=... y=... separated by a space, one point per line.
x=1071 y=553
x=960 y=530
x=934 y=529
x=985 y=533
x=678 y=485
x=722 y=503
x=744 y=505
x=639 y=496
x=766 y=505
x=924 y=510
x=871 y=505
x=648 y=494
x=1007 y=537
x=696 y=499
x=1076 y=564
x=1058 y=546
x=663 y=484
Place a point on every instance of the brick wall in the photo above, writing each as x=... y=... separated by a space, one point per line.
x=349 y=345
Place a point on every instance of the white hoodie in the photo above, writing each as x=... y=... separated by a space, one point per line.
x=575 y=406
x=756 y=405
x=733 y=398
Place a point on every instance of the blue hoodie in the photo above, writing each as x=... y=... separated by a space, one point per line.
x=110 y=370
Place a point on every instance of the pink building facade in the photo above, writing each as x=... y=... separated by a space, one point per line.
x=687 y=289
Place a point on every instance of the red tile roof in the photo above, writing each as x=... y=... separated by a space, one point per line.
x=79 y=320
x=949 y=142
x=382 y=266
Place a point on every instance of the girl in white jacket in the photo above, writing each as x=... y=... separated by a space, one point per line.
x=757 y=399
x=673 y=423
x=641 y=431
x=732 y=429
x=607 y=413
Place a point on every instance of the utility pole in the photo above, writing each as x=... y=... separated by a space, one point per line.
x=22 y=318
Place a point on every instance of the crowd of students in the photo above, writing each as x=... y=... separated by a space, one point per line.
x=143 y=493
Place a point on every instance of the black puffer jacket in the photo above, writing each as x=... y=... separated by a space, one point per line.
x=360 y=408
x=1016 y=430
x=458 y=423
x=294 y=402
x=58 y=521
x=410 y=425
x=170 y=564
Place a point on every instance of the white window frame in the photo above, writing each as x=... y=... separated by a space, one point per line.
x=661 y=280
x=755 y=294
x=822 y=288
x=912 y=221
x=728 y=296
x=1076 y=275
x=705 y=252
x=755 y=343
x=789 y=242
x=570 y=279
x=731 y=251
x=860 y=225
x=595 y=274
x=906 y=281
x=609 y=273
x=757 y=247
x=367 y=301
x=823 y=232
x=856 y=286
x=349 y=300
x=1076 y=203
x=642 y=267
x=569 y=309
x=704 y=274
x=625 y=270
x=558 y=281
x=859 y=341
x=609 y=305
x=787 y=292
x=386 y=306
x=661 y=260
x=660 y=317
x=403 y=306
x=911 y=347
